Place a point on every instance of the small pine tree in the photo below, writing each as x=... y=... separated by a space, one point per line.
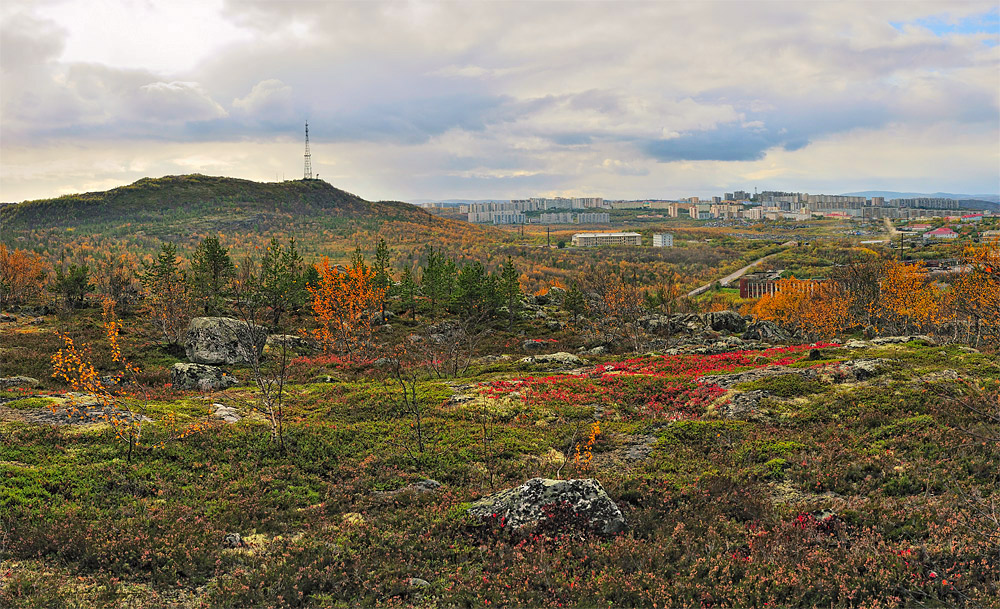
x=509 y=285
x=72 y=284
x=574 y=302
x=211 y=270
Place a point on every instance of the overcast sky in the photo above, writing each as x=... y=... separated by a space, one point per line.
x=425 y=100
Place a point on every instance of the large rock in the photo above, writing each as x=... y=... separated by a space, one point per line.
x=562 y=358
x=766 y=331
x=726 y=321
x=530 y=503
x=200 y=376
x=222 y=340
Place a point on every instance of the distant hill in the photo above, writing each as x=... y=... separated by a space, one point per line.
x=182 y=209
x=890 y=194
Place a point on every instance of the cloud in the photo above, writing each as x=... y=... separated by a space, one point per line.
x=425 y=96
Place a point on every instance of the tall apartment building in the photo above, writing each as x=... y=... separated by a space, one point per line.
x=663 y=240
x=926 y=203
x=592 y=239
x=593 y=218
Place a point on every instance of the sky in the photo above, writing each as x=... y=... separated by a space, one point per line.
x=477 y=100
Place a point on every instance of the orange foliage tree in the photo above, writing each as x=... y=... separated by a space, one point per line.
x=810 y=308
x=907 y=299
x=975 y=294
x=344 y=301
x=22 y=275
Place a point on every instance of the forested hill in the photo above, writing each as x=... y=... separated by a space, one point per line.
x=180 y=209
x=169 y=197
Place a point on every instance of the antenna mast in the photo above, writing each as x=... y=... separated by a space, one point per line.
x=308 y=174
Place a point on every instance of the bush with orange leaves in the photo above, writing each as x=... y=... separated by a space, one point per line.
x=975 y=294
x=22 y=275
x=121 y=398
x=583 y=458
x=344 y=301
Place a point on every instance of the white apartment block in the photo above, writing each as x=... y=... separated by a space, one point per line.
x=663 y=240
x=591 y=239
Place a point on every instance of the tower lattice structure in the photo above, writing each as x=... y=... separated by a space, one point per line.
x=308 y=173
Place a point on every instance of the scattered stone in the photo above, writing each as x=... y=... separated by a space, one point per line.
x=222 y=340
x=743 y=406
x=815 y=355
x=895 y=340
x=290 y=341
x=37 y=321
x=562 y=358
x=527 y=504
x=554 y=325
x=460 y=399
x=728 y=380
x=201 y=377
x=7 y=318
x=857 y=344
x=17 y=381
x=226 y=413
x=640 y=449
x=233 y=540
x=534 y=344
x=416 y=582
x=863 y=369
x=965 y=349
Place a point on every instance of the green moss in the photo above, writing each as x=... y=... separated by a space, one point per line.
x=29 y=403
x=785 y=386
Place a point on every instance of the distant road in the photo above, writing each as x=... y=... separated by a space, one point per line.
x=735 y=275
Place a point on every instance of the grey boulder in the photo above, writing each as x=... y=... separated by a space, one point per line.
x=533 y=501
x=223 y=340
x=201 y=377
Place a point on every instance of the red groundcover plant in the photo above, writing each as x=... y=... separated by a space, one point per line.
x=661 y=387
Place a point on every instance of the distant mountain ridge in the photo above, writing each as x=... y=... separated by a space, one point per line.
x=890 y=194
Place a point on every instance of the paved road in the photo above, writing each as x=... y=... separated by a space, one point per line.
x=735 y=275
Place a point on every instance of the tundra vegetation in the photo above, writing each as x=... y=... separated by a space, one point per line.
x=357 y=390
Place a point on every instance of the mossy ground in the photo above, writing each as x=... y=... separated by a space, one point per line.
x=722 y=512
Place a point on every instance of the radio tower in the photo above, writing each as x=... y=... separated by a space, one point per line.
x=308 y=175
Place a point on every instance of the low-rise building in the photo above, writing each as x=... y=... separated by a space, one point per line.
x=941 y=233
x=663 y=240
x=591 y=239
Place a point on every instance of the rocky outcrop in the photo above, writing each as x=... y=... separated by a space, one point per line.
x=863 y=369
x=222 y=340
x=17 y=381
x=896 y=340
x=766 y=331
x=726 y=321
x=537 y=499
x=201 y=377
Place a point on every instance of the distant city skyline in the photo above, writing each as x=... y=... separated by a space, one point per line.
x=477 y=100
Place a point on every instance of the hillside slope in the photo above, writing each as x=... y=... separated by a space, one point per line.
x=181 y=208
